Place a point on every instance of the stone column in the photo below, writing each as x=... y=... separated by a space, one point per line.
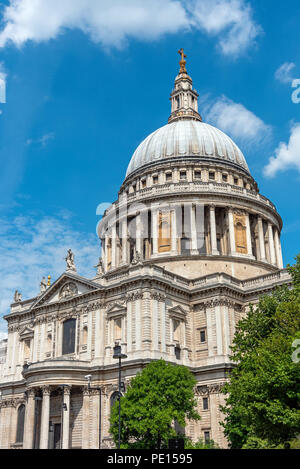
x=163 y=325
x=226 y=330
x=44 y=438
x=219 y=335
x=138 y=321
x=95 y=430
x=174 y=232
x=129 y=325
x=209 y=323
x=85 y=418
x=249 y=238
x=124 y=241
x=231 y=232
x=154 y=218
x=29 y=420
x=278 y=250
x=213 y=231
x=90 y=335
x=261 y=240
x=138 y=236
x=106 y=241
x=154 y=322
x=194 y=247
x=271 y=244
x=35 y=343
x=66 y=418
x=114 y=246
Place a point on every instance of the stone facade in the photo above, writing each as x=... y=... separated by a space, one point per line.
x=187 y=247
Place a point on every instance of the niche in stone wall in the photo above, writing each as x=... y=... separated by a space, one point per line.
x=164 y=232
x=240 y=234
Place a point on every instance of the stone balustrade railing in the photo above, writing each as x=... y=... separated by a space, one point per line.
x=198 y=187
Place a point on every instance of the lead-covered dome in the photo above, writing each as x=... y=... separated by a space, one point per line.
x=187 y=138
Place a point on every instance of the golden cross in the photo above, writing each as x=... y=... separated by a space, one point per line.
x=181 y=52
x=182 y=61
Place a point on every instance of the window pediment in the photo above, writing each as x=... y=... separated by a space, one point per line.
x=26 y=333
x=116 y=310
x=178 y=312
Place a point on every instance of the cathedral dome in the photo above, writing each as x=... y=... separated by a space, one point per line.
x=187 y=138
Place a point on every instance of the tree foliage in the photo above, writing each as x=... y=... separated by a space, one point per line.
x=263 y=394
x=157 y=397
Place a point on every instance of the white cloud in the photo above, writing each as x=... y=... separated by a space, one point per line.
x=42 y=141
x=236 y=120
x=230 y=20
x=286 y=155
x=283 y=73
x=113 y=22
x=109 y=22
x=31 y=249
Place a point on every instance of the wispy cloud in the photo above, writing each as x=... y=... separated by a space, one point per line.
x=236 y=120
x=42 y=141
x=231 y=21
x=112 y=22
x=284 y=73
x=287 y=155
x=31 y=248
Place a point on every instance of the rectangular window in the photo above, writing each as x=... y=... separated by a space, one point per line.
x=207 y=437
x=169 y=177
x=118 y=329
x=155 y=179
x=182 y=174
x=236 y=181
x=225 y=178
x=69 y=332
x=197 y=174
x=203 y=336
x=144 y=183
x=176 y=330
x=205 y=403
x=212 y=176
x=27 y=345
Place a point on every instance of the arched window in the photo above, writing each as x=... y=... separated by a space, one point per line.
x=20 y=424
x=69 y=332
x=113 y=398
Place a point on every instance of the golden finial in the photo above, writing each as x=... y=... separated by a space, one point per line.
x=182 y=61
x=49 y=281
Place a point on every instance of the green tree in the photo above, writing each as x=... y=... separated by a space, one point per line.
x=157 y=397
x=200 y=444
x=263 y=393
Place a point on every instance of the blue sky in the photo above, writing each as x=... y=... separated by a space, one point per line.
x=88 y=80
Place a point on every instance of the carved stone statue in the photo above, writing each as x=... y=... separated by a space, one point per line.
x=68 y=290
x=137 y=260
x=100 y=268
x=43 y=285
x=70 y=260
x=17 y=297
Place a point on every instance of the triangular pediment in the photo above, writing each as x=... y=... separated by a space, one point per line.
x=66 y=287
x=178 y=311
x=116 y=308
x=26 y=333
